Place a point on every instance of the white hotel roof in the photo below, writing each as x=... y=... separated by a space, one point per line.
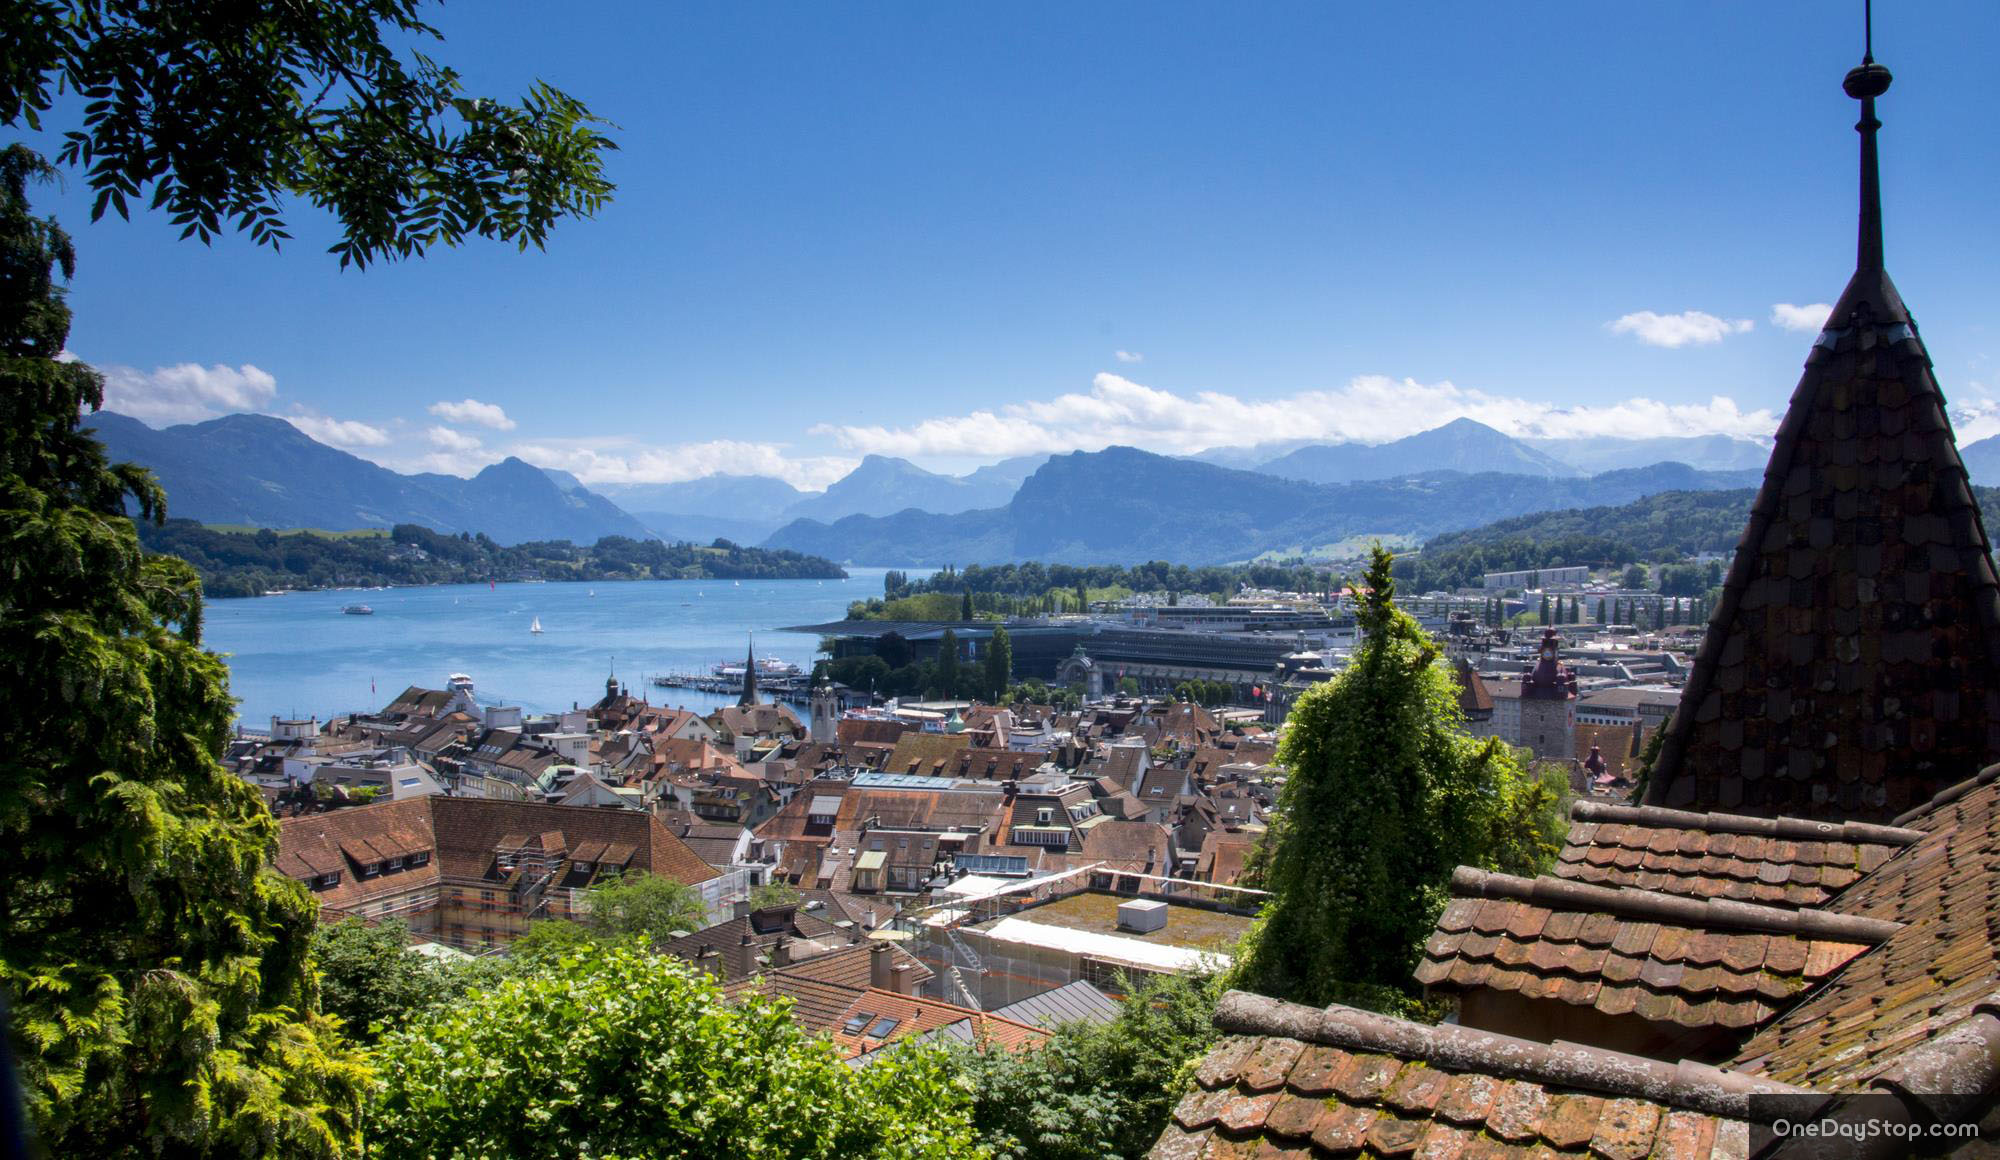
x=1117 y=948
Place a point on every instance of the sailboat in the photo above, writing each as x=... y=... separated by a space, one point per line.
x=536 y=627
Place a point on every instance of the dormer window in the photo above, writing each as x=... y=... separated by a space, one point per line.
x=326 y=881
x=395 y=863
x=581 y=867
x=371 y=870
x=1043 y=817
x=420 y=858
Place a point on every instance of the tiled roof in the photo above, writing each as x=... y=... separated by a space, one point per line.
x=1683 y=961
x=1941 y=968
x=1852 y=666
x=1292 y=1080
x=849 y=967
x=1776 y=861
x=927 y=754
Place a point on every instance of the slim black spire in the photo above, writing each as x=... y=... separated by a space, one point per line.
x=1864 y=83
x=749 y=696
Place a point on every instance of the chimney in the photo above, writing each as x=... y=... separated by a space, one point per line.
x=710 y=960
x=740 y=908
x=781 y=951
x=881 y=967
x=900 y=979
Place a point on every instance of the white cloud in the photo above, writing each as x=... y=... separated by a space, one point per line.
x=1688 y=328
x=186 y=392
x=597 y=461
x=452 y=440
x=1975 y=418
x=1130 y=356
x=1811 y=317
x=473 y=411
x=337 y=432
x=1369 y=409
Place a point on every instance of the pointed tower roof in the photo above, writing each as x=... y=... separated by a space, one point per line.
x=1852 y=666
x=749 y=696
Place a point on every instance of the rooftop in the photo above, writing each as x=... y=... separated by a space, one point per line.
x=1187 y=926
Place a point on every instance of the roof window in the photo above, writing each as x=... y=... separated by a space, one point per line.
x=883 y=1028
x=854 y=1025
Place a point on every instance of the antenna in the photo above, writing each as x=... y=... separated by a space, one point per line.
x=1867 y=31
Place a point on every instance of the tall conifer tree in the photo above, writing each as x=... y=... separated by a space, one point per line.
x=1385 y=796
x=155 y=965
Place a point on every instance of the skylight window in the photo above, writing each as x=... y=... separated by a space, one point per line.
x=854 y=1025
x=883 y=1028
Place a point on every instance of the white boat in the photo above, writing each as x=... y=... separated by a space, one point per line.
x=536 y=627
x=593 y=593
x=358 y=610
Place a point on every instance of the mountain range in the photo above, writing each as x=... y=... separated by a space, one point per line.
x=1460 y=445
x=262 y=471
x=1119 y=504
x=1122 y=504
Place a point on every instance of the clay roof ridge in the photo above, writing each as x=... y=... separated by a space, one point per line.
x=1780 y=827
x=1693 y=1086
x=1950 y=794
x=1650 y=906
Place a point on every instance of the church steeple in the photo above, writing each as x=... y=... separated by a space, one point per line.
x=1851 y=666
x=749 y=696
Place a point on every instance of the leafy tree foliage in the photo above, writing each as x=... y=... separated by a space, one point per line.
x=155 y=964
x=1212 y=694
x=999 y=664
x=642 y=904
x=946 y=682
x=369 y=976
x=774 y=893
x=1097 y=1090
x=1386 y=795
x=218 y=112
x=624 y=1053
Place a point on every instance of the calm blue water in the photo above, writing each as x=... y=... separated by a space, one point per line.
x=297 y=655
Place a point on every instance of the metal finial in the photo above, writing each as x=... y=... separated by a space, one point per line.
x=1864 y=83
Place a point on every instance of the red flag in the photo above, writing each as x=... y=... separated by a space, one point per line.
x=1257 y=690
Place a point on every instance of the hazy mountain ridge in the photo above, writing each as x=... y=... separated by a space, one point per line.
x=262 y=471
x=1122 y=504
x=1460 y=445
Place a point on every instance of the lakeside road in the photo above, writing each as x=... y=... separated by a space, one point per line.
x=298 y=655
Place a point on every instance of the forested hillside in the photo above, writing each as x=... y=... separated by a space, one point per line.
x=251 y=563
x=1658 y=528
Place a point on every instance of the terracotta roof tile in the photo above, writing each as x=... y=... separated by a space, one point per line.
x=1406 y=1101
x=1711 y=858
x=1701 y=965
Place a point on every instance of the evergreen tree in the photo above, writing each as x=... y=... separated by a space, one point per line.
x=965 y=605
x=156 y=965
x=1545 y=610
x=1386 y=795
x=999 y=664
x=947 y=664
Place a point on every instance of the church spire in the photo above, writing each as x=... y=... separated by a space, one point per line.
x=1849 y=670
x=749 y=696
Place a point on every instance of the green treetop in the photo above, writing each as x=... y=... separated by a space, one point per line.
x=999 y=665
x=619 y=1052
x=156 y=966
x=642 y=904
x=218 y=112
x=1385 y=796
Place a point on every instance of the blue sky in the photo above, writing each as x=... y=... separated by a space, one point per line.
x=957 y=232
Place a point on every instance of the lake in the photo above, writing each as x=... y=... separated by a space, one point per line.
x=298 y=655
